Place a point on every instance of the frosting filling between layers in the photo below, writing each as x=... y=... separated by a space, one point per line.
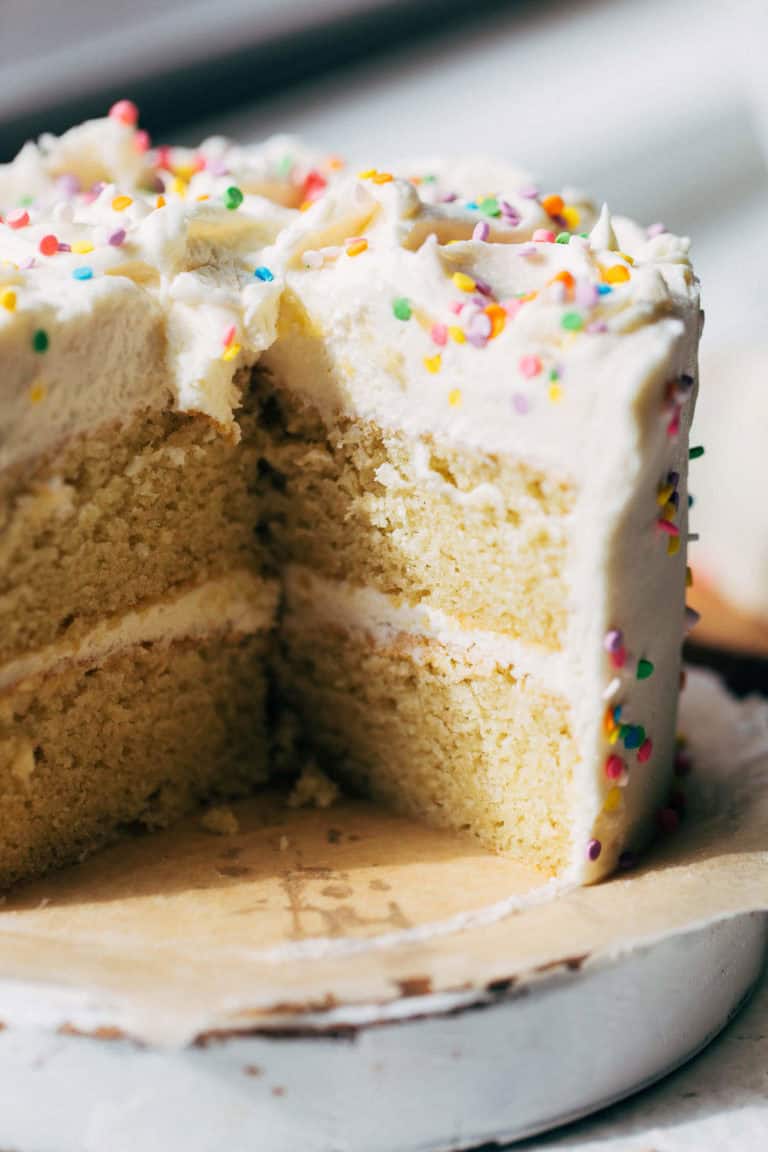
x=240 y=602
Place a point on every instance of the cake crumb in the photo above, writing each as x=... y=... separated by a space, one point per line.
x=284 y=843
x=313 y=788
x=221 y=821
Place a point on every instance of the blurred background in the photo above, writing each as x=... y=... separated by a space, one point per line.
x=658 y=106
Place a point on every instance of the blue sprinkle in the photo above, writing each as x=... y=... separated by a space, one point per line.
x=472 y=205
x=83 y=273
x=603 y=289
x=263 y=273
x=617 y=713
x=634 y=736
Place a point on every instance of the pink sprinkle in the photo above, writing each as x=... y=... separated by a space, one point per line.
x=529 y=366
x=509 y=213
x=512 y=307
x=68 y=185
x=448 y=197
x=527 y=250
x=163 y=157
x=645 y=750
x=18 y=218
x=481 y=231
x=117 y=237
x=619 y=657
x=456 y=306
x=668 y=527
x=586 y=294
x=615 y=768
x=141 y=141
x=520 y=403
x=529 y=192
x=597 y=326
x=543 y=236
x=125 y=111
x=655 y=230
x=229 y=335
x=439 y=334
x=673 y=428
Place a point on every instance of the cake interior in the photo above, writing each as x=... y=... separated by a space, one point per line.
x=135 y=515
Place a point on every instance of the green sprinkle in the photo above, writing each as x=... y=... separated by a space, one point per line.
x=40 y=340
x=554 y=374
x=563 y=238
x=572 y=321
x=233 y=198
x=644 y=669
x=25 y=201
x=284 y=166
x=490 y=206
x=431 y=179
x=402 y=308
x=695 y=452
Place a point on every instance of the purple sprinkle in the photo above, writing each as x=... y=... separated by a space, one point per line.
x=64 y=247
x=692 y=618
x=614 y=640
x=586 y=294
x=479 y=324
x=527 y=250
x=594 y=848
x=483 y=286
x=520 y=403
x=98 y=188
x=476 y=340
x=481 y=231
x=510 y=213
x=68 y=185
x=448 y=197
x=655 y=230
x=673 y=478
x=597 y=326
x=27 y=264
x=217 y=167
x=529 y=192
x=627 y=859
x=117 y=237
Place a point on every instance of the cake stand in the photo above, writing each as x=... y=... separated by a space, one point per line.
x=348 y=981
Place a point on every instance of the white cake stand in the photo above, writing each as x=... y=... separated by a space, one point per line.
x=348 y=981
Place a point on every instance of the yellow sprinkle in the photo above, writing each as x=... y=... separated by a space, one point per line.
x=82 y=247
x=382 y=178
x=555 y=393
x=305 y=205
x=179 y=187
x=160 y=202
x=616 y=275
x=664 y=494
x=356 y=248
x=231 y=352
x=673 y=545
x=432 y=363
x=335 y=163
x=184 y=171
x=612 y=800
x=454 y=397
x=37 y=392
x=571 y=217
x=464 y=282
x=688 y=577
x=625 y=256
x=8 y=300
x=670 y=511
x=457 y=334
x=120 y=203
x=203 y=196
x=613 y=735
x=367 y=175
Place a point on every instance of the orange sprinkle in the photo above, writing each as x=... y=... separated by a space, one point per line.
x=305 y=205
x=608 y=722
x=120 y=203
x=498 y=318
x=618 y=274
x=335 y=163
x=160 y=202
x=565 y=277
x=382 y=178
x=553 y=205
x=454 y=397
x=528 y=297
x=433 y=363
x=357 y=247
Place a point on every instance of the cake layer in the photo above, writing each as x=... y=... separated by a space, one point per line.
x=139 y=737
x=120 y=516
x=443 y=727
x=480 y=537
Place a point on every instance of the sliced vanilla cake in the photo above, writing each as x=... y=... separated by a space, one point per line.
x=410 y=451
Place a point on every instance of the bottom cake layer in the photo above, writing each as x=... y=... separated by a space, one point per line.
x=446 y=734
x=139 y=736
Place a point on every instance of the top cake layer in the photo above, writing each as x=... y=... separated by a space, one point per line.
x=461 y=300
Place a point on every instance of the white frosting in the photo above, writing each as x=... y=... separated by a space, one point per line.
x=240 y=602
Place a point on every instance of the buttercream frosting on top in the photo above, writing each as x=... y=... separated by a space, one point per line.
x=411 y=277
